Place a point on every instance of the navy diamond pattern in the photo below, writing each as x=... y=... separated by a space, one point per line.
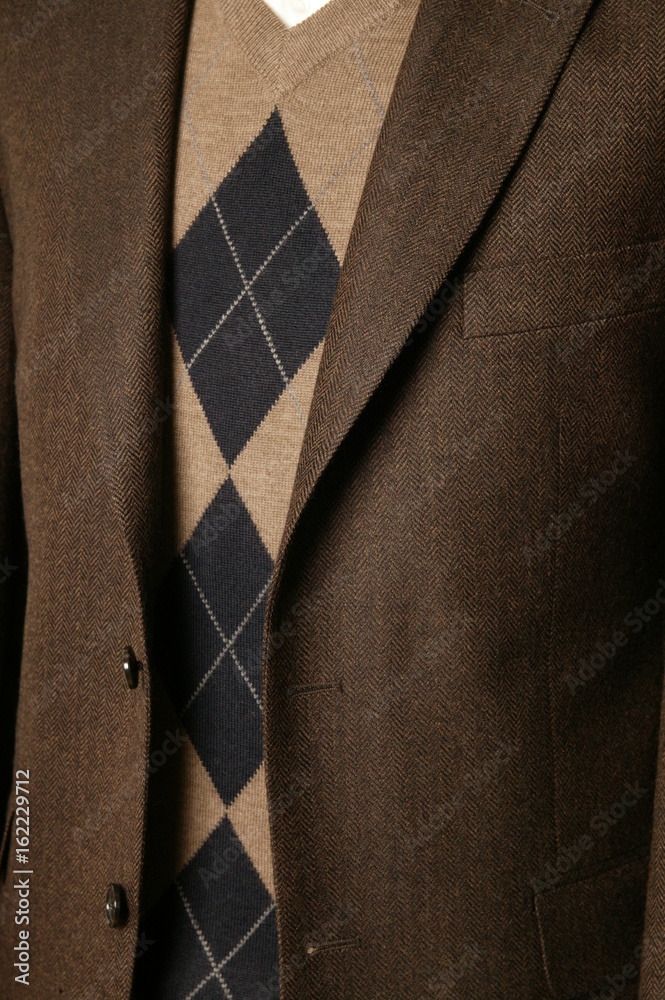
x=253 y=277
x=196 y=948
x=251 y=365
x=266 y=178
x=246 y=317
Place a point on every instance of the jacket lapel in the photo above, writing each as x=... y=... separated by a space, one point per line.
x=124 y=237
x=475 y=78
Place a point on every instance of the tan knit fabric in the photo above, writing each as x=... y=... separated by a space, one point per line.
x=331 y=78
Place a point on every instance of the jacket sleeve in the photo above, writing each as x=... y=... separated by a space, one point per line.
x=13 y=550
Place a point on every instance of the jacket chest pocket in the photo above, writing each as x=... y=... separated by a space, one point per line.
x=558 y=293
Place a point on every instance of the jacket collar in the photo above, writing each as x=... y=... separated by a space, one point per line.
x=475 y=78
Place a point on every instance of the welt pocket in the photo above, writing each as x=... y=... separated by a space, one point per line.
x=591 y=927
x=563 y=292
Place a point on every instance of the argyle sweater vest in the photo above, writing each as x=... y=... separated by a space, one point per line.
x=277 y=129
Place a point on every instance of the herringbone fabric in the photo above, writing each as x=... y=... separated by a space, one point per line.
x=462 y=660
x=272 y=157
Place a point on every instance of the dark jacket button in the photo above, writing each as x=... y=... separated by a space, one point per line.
x=116 y=905
x=131 y=668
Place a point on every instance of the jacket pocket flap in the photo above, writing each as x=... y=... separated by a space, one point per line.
x=590 y=929
x=551 y=293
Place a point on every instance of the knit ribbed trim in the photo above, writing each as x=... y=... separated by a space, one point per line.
x=285 y=56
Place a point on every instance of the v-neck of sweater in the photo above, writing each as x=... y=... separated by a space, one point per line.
x=285 y=56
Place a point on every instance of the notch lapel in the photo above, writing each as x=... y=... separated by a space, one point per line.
x=475 y=77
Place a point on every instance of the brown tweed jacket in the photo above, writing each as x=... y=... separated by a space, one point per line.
x=463 y=650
